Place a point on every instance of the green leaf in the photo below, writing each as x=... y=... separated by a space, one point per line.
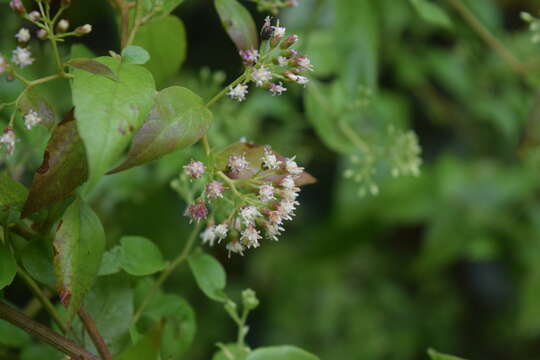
x=135 y=55
x=111 y=261
x=209 y=275
x=435 y=355
x=41 y=352
x=8 y=267
x=238 y=23
x=31 y=100
x=147 y=348
x=284 y=352
x=140 y=256
x=178 y=120
x=64 y=168
x=93 y=67
x=37 y=259
x=79 y=243
x=231 y=351
x=108 y=112
x=165 y=41
x=11 y=191
x=12 y=336
x=431 y=12
x=168 y=6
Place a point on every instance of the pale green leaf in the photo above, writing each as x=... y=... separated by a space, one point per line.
x=140 y=256
x=135 y=55
x=283 y=352
x=209 y=275
x=431 y=12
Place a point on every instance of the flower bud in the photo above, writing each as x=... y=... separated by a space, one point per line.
x=230 y=307
x=23 y=35
x=525 y=16
x=249 y=299
x=17 y=6
x=197 y=211
x=41 y=34
x=34 y=16
x=62 y=26
x=83 y=30
x=289 y=41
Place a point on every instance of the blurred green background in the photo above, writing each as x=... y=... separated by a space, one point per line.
x=449 y=259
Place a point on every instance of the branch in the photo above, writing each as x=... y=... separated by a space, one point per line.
x=45 y=334
x=93 y=331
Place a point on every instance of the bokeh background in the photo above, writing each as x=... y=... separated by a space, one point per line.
x=449 y=259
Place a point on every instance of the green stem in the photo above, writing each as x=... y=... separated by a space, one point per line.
x=242 y=327
x=224 y=91
x=93 y=331
x=136 y=23
x=167 y=272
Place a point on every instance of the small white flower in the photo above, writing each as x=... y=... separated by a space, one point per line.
x=237 y=163
x=261 y=75
x=250 y=56
x=274 y=217
x=266 y=192
x=249 y=213
x=22 y=57
x=288 y=182
x=250 y=237
x=277 y=89
x=270 y=160
x=8 y=140
x=209 y=235
x=303 y=63
x=23 y=35
x=221 y=231
x=34 y=15
x=279 y=31
x=302 y=80
x=238 y=93
x=41 y=34
x=62 y=25
x=31 y=119
x=286 y=209
x=3 y=64
x=273 y=231
x=214 y=189
x=195 y=169
x=282 y=61
x=235 y=247
x=292 y=167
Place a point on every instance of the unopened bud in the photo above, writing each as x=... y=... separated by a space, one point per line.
x=83 y=30
x=230 y=307
x=525 y=16
x=249 y=299
x=17 y=6
x=41 y=34
x=289 y=41
x=62 y=25
x=34 y=16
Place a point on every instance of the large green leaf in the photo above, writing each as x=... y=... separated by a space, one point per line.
x=108 y=112
x=209 y=275
x=431 y=12
x=12 y=336
x=79 y=243
x=231 y=351
x=37 y=259
x=148 y=348
x=11 y=191
x=8 y=267
x=179 y=119
x=63 y=169
x=435 y=355
x=165 y=41
x=140 y=256
x=284 y=352
x=238 y=23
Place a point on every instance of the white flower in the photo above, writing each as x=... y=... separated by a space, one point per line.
x=250 y=237
x=235 y=247
x=274 y=217
x=279 y=31
x=249 y=213
x=22 y=57
x=288 y=182
x=282 y=61
x=42 y=34
x=273 y=230
x=195 y=169
x=261 y=75
x=269 y=159
x=238 y=93
x=221 y=231
x=290 y=194
x=31 y=119
x=3 y=64
x=292 y=167
x=266 y=192
x=209 y=235
x=286 y=209
x=8 y=140
x=62 y=25
x=277 y=89
x=214 y=189
x=237 y=163
x=250 y=56
x=302 y=80
x=34 y=15
x=23 y=35
x=303 y=63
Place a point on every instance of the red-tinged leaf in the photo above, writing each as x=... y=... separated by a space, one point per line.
x=32 y=101
x=254 y=153
x=93 y=67
x=238 y=23
x=178 y=120
x=79 y=243
x=63 y=169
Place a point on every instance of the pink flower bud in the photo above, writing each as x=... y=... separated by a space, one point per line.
x=83 y=30
x=197 y=211
x=289 y=41
x=17 y=6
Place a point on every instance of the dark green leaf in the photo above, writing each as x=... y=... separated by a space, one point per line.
x=140 y=256
x=238 y=23
x=12 y=336
x=111 y=261
x=165 y=41
x=63 y=169
x=92 y=67
x=148 y=348
x=178 y=120
x=284 y=352
x=135 y=55
x=41 y=352
x=79 y=243
x=37 y=259
x=108 y=112
x=11 y=191
x=231 y=351
x=209 y=275
x=431 y=12
x=8 y=267
x=435 y=355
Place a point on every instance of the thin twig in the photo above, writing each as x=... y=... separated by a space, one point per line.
x=93 y=331
x=44 y=334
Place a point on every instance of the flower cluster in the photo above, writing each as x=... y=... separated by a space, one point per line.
x=273 y=6
x=245 y=201
x=534 y=26
x=274 y=64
